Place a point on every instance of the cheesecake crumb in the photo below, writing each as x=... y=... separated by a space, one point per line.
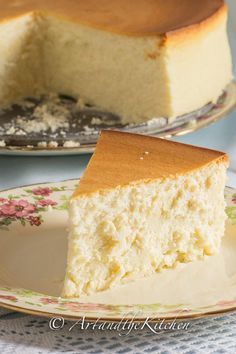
x=52 y=116
x=88 y=130
x=141 y=158
x=42 y=144
x=96 y=121
x=146 y=152
x=71 y=144
x=11 y=131
x=157 y=121
x=52 y=144
x=48 y=116
x=20 y=132
x=2 y=143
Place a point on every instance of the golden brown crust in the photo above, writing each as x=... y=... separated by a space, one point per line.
x=198 y=29
x=121 y=159
x=134 y=17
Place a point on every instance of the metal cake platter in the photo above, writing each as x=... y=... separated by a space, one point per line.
x=28 y=128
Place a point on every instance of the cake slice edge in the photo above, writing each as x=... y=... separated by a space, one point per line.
x=129 y=232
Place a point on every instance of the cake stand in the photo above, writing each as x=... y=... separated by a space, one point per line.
x=79 y=133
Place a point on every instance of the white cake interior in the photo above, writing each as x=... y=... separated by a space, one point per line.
x=136 y=77
x=134 y=231
x=198 y=66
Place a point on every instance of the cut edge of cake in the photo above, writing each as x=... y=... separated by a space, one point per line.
x=186 y=61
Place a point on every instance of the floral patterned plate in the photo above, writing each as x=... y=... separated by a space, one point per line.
x=33 y=247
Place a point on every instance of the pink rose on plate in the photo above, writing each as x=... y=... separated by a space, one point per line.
x=47 y=301
x=3 y=200
x=226 y=302
x=34 y=220
x=79 y=306
x=46 y=202
x=17 y=208
x=8 y=297
x=74 y=306
x=45 y=191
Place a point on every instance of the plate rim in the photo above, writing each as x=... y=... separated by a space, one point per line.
x=177 y=318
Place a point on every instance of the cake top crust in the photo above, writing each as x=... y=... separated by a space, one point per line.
x=122 y=159
x=133 y=17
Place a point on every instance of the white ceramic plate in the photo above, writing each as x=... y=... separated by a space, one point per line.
x=33 y=247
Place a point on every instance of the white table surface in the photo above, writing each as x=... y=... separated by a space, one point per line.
x=31 y=335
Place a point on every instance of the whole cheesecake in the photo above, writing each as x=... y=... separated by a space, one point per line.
x=142 y=205
x=138 y=59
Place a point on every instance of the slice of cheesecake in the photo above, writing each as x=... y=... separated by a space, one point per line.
x=138 y=59
x=143 y=204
